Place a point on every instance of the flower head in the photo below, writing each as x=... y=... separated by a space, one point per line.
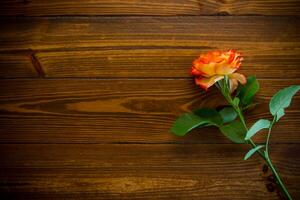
x=213 y=66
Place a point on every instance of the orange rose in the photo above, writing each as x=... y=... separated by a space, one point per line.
x=211 y=67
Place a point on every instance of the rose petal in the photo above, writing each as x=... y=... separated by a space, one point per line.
x=233 y=84
x=225 y=69
x=206 y=70
x=195 y=72
x=234 y=80
x=240 y=77
x=205 y=83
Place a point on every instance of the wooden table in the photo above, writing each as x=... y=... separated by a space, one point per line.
x=89 y=90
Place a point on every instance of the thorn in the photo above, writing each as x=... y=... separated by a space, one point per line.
x=265 y=168
x=270 y=187
x=271 y=179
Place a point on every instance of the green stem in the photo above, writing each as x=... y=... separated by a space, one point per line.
x=228 y=98
x=265 y=155
x=240 y=114
x=277 y=177
x=269 y=135
x=270 y=164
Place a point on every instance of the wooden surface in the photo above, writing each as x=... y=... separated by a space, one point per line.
x=138 y=47
x=89 y=90
x=149 y=7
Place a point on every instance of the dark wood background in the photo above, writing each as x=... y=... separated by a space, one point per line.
x=89 y=90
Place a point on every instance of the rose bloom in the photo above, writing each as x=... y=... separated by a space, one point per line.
x=211 y=67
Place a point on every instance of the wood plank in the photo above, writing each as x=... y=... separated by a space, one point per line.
x=118 y=110
x=16 y=66
x=151 y=47
x=149 y=7
x=156 y=63
x=123 y=171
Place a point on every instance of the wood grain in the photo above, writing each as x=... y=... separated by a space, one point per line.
x=89 y=90
x=120 y=111
x=157 y=63
x=16 y=66
x=149 y=7
x=148 y=47
x=124 y=171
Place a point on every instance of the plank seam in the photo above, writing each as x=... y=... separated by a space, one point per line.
x=218 y=14
x=49 y=17
x=125 y=78
x=133 y=143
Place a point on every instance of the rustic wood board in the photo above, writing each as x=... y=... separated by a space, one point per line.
x=148 y=7
x=89 y=90
x=138 y=171
x=104 y=111
x=147 y=47
x=16 y=65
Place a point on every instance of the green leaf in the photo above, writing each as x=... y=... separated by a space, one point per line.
x=252 y=151
x=200 y=117
x=210 y=115
x=235 y=131
x=281 y=100
x=280 y=114
x=186 y=123
x=259 y=125
x=228 y=114
x=246 y=92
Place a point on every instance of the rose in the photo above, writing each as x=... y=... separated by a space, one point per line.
x=213 y=66
x=210 y=69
